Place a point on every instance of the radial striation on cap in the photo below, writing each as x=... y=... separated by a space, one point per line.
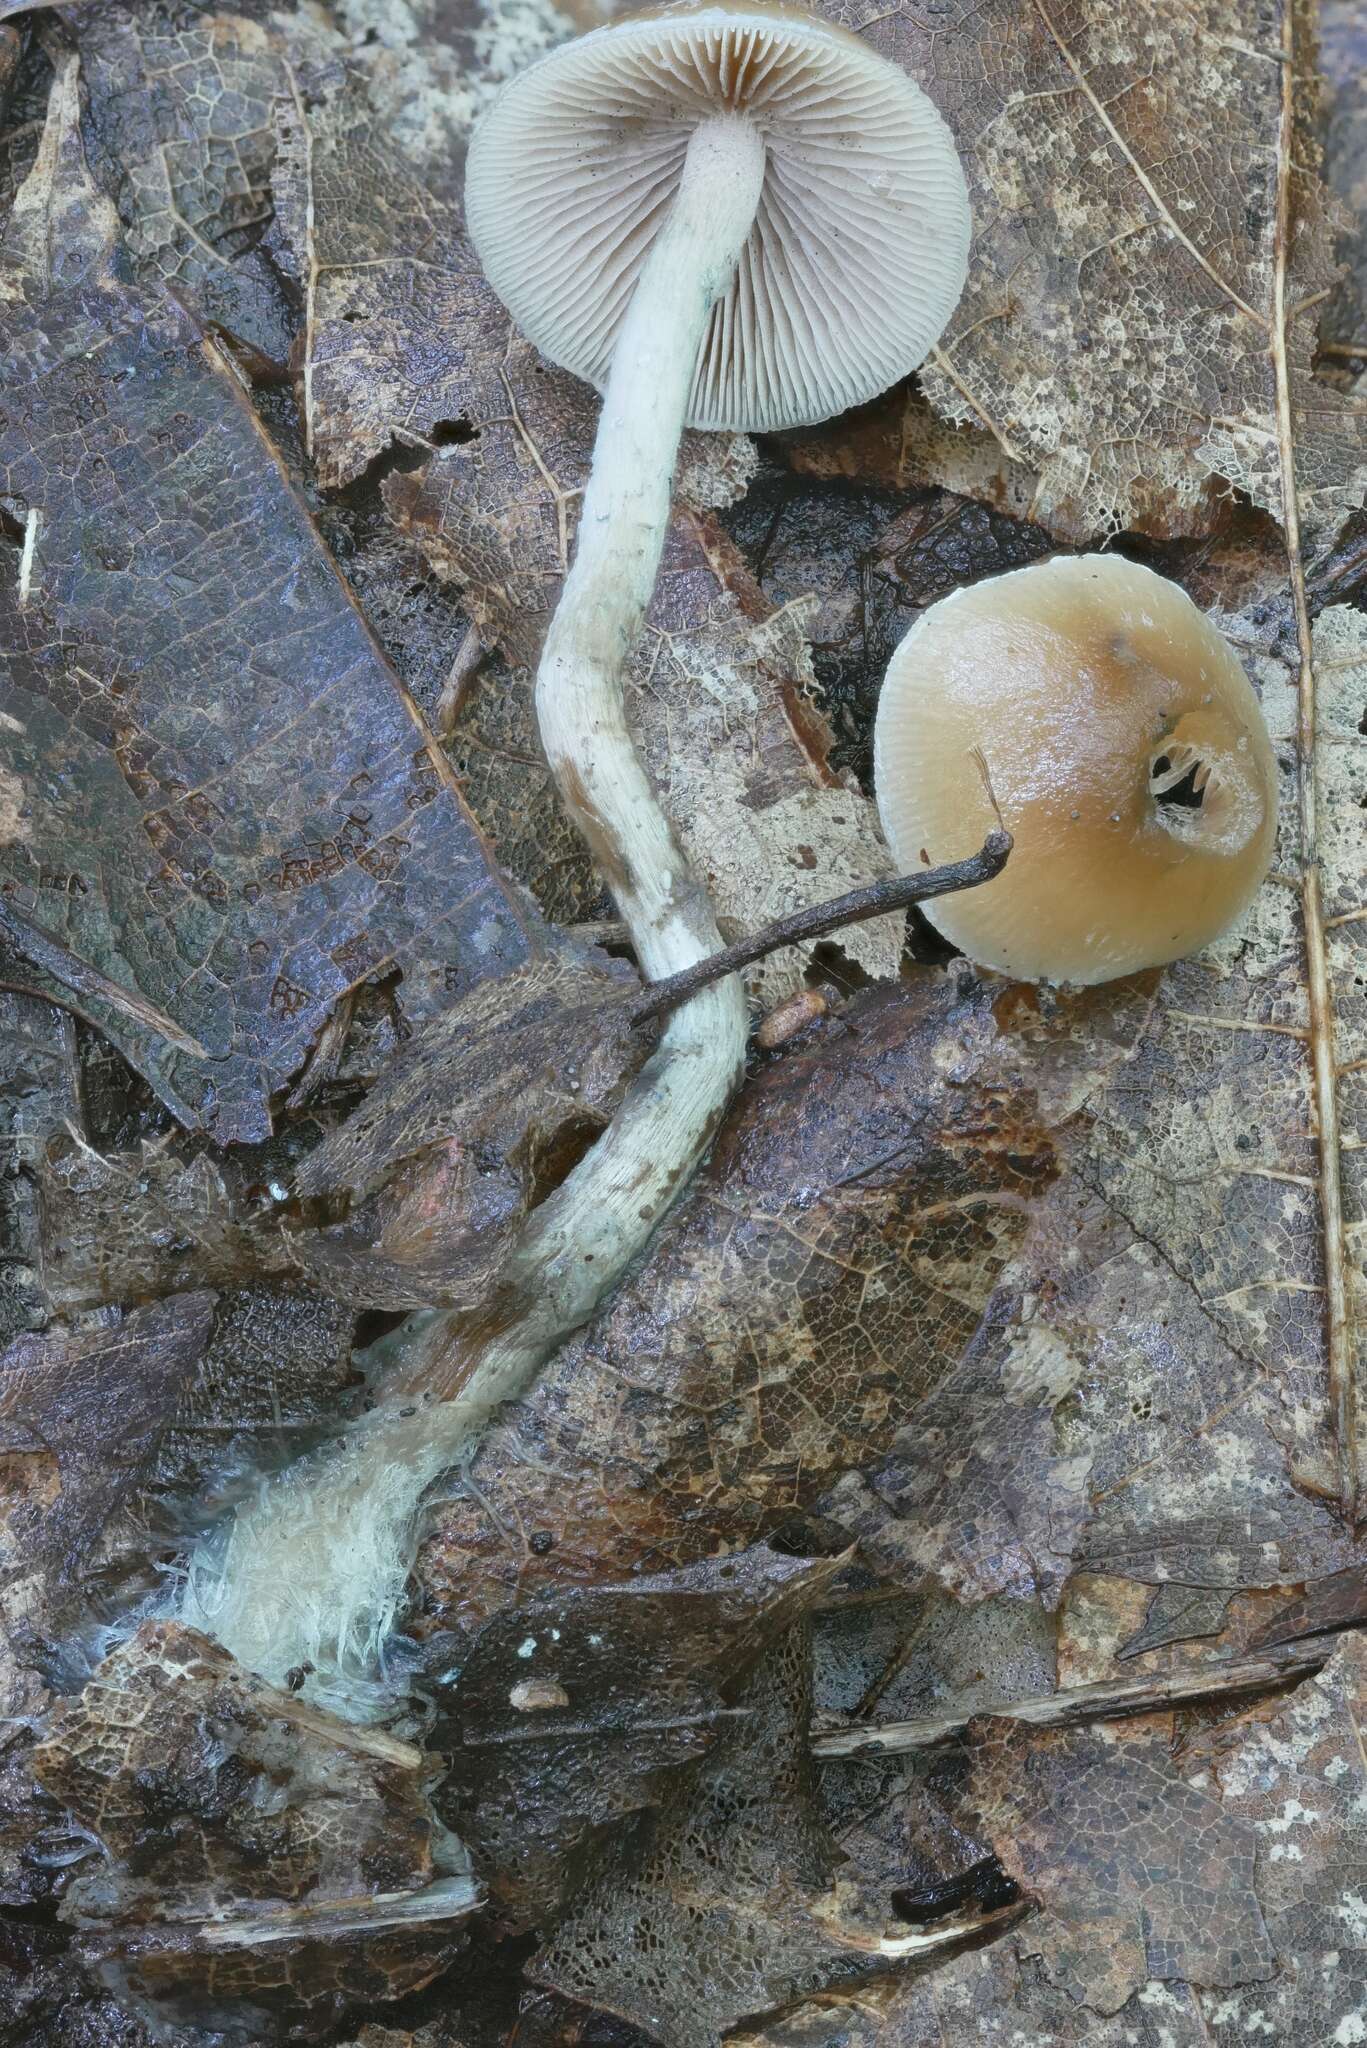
x=1115 y=730
x=859 y=247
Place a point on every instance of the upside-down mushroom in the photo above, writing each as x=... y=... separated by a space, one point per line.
x=1092 y=705
x=726 y=216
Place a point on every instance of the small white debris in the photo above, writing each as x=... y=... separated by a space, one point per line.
x=534 y=1695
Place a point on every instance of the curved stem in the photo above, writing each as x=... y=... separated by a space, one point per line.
x=313 y=1572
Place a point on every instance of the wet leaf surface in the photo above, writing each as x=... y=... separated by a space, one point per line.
x=573 y=1714
x=81 y=1413
x=38 y=1099
x=237 y=860
x=1140 y=1874
x=732 y=1898
x=479 y=1119
x=272 y=1854
x=1028 y=1294
x=833 y=1257
x=1117 y=331
x=404 y=342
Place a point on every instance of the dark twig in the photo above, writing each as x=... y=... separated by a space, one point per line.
x=1108 y=1700
x=876 y=900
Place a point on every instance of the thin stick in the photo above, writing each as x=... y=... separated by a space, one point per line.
x=877 y=899
x=1109 y=1700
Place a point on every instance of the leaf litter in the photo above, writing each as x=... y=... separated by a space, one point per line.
x=1053 y=1303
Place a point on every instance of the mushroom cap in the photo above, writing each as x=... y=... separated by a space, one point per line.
x=859 y=247
x=1123 y=745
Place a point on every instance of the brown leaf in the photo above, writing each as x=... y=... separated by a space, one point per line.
x=231 y=862
x=1141 y=1875
x=730 y=1901
x=404 y=339
x=1121 y=318
x=1337 y=1602
x=179 y=117
x=574 y=1712
x=254 y=1834
x=482 y=1115
x=1154 y=1396
x=80 y=1416
x=830 y=1262
x=1295 y=1775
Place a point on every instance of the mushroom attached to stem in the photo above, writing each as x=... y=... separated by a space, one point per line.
x=1087 y=705
x=729 y=217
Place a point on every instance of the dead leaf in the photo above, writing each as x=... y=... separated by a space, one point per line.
x=165 y=863
x=831 y=1260
x=1295 y=1774
x=480 y=1118
x=1154 y=1394
x=38 y=1096
x=248 y=1835
x=404 y=340
x=1333 y=1603
x=574 y=1712
x=1141 y=1875
x=80 y=1416
x=731 y=1900
x=1343 y=55
x=179 y=124
x=1123 y=319
x=62 y=231
x=872 y=558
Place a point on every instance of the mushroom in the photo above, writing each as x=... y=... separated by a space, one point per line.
x=730 y=216
x=724 y=216
x=1089 y=703
x=734 y=216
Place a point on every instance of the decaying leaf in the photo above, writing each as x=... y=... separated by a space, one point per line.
x=1067 y=1289
x=573 y=1713
x=1343 y=54
x=80 y=1416
x=484 y=1113
x=1296 y=1774
x=833 y=1258
x=231 y=859
x=180 y=130
x=403 y=339
x=255 y=1834
x=731 y=1900
x=1137 y=235
x=38 y=1097
x=873 y=557
x=62 y=231
x=1336 y=1602
x=1141 y=1875
x=1157 y=1370
x=164 y=1219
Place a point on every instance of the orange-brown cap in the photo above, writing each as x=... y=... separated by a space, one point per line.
x=1122 y=743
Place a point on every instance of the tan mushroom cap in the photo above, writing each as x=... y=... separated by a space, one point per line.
x=1124 y=747
x=859 y=248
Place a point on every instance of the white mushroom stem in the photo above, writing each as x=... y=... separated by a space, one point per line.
x=622 y=525
x=312 y=1573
